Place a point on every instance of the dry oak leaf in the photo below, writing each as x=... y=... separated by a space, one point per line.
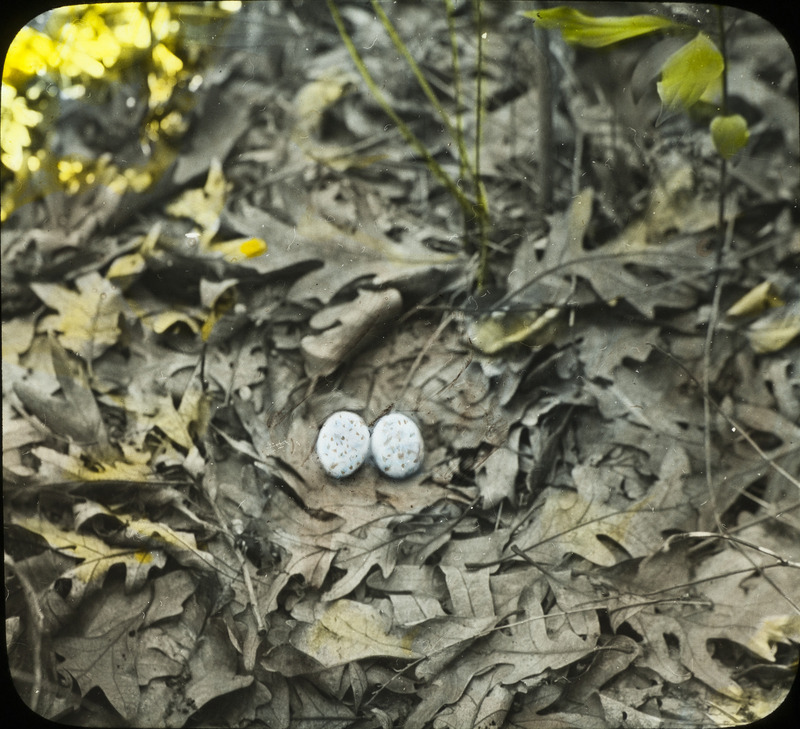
x=102 y=652
x=571 y=521
x=346 y=630
x=734 y=603
x=149 y=535
x=346 y=327
x=358 y=555
x=87 y=321
x=605 y=268
x=74 y=412
x=102 y=647
x=56 y=466
x=483 y=705
x=304 y=540
x=96 y=557
x=212 y=670
x=529 y=649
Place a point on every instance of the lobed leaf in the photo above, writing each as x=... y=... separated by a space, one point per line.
x=346 y=630
x=95 y=557
x=86 y=321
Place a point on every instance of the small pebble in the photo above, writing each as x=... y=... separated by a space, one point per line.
x=343 y=444
x=396 y=446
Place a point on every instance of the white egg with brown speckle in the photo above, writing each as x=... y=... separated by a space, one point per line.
x=396 y=445
x=343 y=444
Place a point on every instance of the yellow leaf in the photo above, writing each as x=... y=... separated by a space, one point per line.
x=126 y=269
x=587 y=30
x=179 y=544
x=346 y=630
x=147 y=535
x=17 y=338
x=774 y=629
x=96 y=557
x=493 y=333
x=162 y=321
x=87 y=46
x=30 y=52
x=194 y=405
x=87 y=321
x=15 y=137
x=147 y=410
x=775 y=330
x=160 y=88
x=132 y=26
x=729 y=134
x=764 y=296
x=315 y=97
x=689 y=72
x=65 y=467
x=235 y=251
x=203 y=206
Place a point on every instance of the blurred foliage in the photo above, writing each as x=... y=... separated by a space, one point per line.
x=694 y=73
x=125 y=73
x=577 y=27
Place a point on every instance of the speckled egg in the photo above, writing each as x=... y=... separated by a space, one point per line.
x=396 y=445
x=343 y=444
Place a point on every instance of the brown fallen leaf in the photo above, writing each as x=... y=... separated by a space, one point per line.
x=95 y=558
x=571 y=521
x=347 y=327
x=101 y=647
x=346 y=630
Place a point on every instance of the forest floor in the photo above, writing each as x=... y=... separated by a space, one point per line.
x=605 y=530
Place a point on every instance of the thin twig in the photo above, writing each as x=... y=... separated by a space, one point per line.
x=731 y=421
x=425 y=348
x=709 y=339
x=544 y=113
x=738 y=540
x=36 y=629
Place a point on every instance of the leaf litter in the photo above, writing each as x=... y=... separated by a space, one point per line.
x=558 y=558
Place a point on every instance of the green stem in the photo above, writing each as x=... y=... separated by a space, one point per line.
x=724 y=239
x=459 y=93
x=482 y=206
x=456 y=133
x=723 y=170
x=411 y=139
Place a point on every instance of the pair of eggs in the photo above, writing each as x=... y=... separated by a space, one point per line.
x=344 y=442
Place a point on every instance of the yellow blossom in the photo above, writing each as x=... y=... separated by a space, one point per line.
x=14 y=122
x=167 y=60
x=29 y=54
x=131 y=26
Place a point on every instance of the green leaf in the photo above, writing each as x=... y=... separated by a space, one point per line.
x=594 y=32
x=729 y=134
x=690 y=72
